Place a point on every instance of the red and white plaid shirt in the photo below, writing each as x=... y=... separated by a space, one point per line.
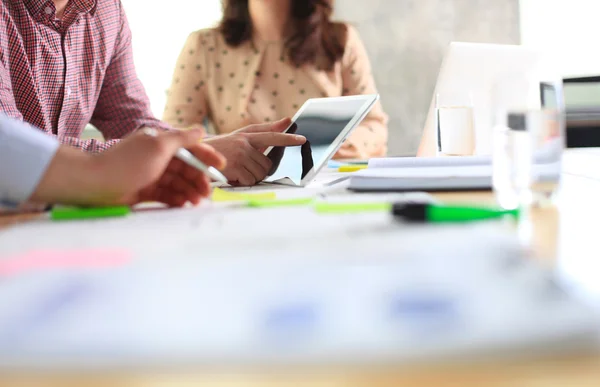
x=60 y=75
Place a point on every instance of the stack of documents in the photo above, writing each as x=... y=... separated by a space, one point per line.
x=434 y=174
x=430 y=162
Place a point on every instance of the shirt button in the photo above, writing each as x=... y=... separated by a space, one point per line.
x=68 y=92
x=48 y=11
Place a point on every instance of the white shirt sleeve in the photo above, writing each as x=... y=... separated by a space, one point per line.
x=25 y=153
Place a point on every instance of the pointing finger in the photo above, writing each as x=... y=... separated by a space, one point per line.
x=265 y=140
x=278 y=127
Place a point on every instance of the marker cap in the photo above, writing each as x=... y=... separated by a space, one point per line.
x=414 y=212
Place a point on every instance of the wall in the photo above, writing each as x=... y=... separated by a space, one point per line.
x=567 y=30
x=159 y=32
x=406 y=40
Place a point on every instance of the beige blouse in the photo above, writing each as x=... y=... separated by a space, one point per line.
x=255 y=83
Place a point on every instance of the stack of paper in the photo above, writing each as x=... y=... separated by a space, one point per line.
x=435 y=174
x=420 y=162
x=423 y=179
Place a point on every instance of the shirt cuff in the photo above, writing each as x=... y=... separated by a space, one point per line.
x=25 y=153
x=156 y=124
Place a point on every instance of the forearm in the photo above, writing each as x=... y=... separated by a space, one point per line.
x=193 y=126
x=96 y=146
x=91 y=145
x=123 y=124
x=70 y=178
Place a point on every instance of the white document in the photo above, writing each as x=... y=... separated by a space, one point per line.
x=422 y=179
x=547 y=154
x=415 y=162
x=437 y=178
x=386 y=294
x=427 y=172
x=543 y=170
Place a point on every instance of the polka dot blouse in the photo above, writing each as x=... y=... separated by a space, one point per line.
x=254 y=83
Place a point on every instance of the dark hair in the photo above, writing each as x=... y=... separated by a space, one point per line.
x=313 y=37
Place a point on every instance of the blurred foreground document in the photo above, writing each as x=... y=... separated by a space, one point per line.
x=429 y=294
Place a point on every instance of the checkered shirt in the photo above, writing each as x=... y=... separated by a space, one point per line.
x=60 y=75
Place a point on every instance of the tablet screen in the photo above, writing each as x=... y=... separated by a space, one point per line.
x=321 y=122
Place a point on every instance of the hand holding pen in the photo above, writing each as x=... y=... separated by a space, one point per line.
x=147 y=166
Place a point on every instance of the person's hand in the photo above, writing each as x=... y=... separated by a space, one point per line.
x=143 y=168
x=140 y=168
x=244 y=150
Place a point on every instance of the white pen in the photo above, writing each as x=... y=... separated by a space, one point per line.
x=191 y=160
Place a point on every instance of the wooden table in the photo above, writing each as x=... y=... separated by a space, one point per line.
x=564 y=236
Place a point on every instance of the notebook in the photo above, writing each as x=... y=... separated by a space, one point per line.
x=468 y=173
x=419 y=162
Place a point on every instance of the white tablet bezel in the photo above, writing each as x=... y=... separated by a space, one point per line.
x=359 y=115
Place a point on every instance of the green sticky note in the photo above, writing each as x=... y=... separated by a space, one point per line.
x=73 y=213
x=350 y=208
x=279 y=202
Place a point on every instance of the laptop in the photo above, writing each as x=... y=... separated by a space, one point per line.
x=474 y=68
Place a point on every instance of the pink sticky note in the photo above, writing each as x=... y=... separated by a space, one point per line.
x=39 y=260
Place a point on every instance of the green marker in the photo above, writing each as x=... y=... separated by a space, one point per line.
x=75 y=213
x=433 y=213
x=420 y=212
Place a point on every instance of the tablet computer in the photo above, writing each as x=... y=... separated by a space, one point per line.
x=326 y=123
